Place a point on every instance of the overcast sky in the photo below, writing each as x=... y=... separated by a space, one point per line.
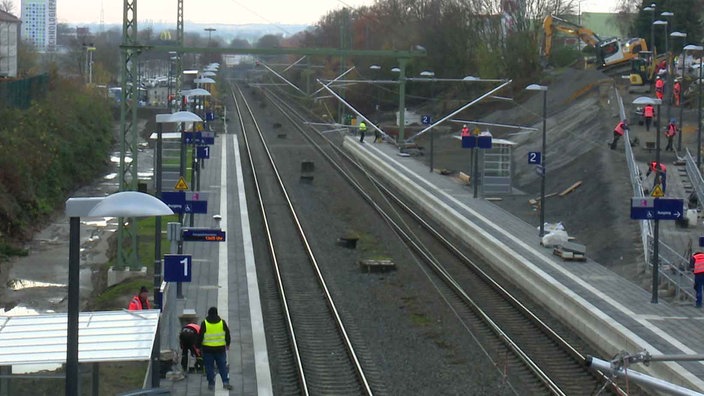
x=225 y=11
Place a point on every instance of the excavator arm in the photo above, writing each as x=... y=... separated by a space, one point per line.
x=551 y=24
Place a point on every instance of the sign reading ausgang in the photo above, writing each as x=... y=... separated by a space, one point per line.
x=649 y=208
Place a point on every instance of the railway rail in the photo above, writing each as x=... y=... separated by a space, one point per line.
x=320 y=351
x=535 y=358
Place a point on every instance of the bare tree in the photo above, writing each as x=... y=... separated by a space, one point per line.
x=7 y=6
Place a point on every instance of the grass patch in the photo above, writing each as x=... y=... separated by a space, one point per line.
x=420 y=319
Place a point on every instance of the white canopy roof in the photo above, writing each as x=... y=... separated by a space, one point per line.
x=108 y=336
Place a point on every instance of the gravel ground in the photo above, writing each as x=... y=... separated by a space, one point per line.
x=412 y=336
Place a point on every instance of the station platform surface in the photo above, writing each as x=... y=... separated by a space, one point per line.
x=602 y=306
x=223 y=276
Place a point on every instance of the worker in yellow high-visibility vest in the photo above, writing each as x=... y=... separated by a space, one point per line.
x=214 y=341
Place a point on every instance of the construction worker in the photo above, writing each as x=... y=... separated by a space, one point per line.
x=660 y=171
x=659 y=87
x=188 y=338
x=465 y=130
x=362 y=131
x=670 y=133
x=377 y=135
x=676 y=91
x=140 y=301
x=696 y=263
x=214 y=341
x=648 y=114
x=619 y=130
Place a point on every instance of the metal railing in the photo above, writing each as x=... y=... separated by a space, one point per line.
x=674 y=266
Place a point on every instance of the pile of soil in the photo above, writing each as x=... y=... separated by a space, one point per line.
x=581 y=112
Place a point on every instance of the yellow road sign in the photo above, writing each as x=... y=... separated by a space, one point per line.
x=181 y=184
x=657 y=192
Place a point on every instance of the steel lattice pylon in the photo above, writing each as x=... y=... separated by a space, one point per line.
x=127 y=251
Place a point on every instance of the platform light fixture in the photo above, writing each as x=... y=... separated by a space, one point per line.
x=543 y=169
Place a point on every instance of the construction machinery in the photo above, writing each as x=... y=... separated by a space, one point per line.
x=644 y=69
x=610 y=52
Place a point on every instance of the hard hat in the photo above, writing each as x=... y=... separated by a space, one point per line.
x=464 y=126
x=672 y=120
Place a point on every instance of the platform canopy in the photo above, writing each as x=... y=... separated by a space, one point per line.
x=105 y=336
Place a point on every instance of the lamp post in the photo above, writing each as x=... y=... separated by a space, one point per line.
x=430 y=75
x=125 y=204
x=651 y=9
x=683 y=36
x=692 y=47
x=643 y=100
x=376 y=69
x=543 y=169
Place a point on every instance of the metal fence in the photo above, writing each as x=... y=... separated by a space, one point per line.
x=21 y=92
x=673 y=267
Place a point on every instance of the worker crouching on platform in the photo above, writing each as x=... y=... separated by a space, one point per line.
x=188 y=338
x=696 y=263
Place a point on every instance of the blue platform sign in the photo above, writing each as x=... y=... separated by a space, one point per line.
x=195 y=207
x=643 y=208
x=481 y=141
x=202 y=235
x=535 y=157
x=649 y=208
x=206 y=138
x=669 y=208
x=203 y=152
x=484 y=142
x=177 y=267
x=189 y=137
x=469 y=141
x=425 y=119
x=174 y=200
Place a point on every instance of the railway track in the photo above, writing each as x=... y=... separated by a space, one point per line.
x=321 y=357
x=532 y=357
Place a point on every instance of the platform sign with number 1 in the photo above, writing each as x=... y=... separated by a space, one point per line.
x=177 y=267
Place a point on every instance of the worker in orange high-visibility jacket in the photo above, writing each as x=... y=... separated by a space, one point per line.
x=465 y=130
x=648 y=114
x=670 y=133
x=697 y=265
x=659 y=88
x=140 y=301
x=619 y=130
x=660 y=171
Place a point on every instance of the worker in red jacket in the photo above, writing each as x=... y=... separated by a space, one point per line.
x=670 y=133
x=188 y=338
x=619 y=130
x=660 y=171
x=659 y=87
x=676 y=92
x=648 y=114
x=140 y=301
x=696 y=263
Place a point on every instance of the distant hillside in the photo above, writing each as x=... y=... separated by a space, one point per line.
x=249 y=32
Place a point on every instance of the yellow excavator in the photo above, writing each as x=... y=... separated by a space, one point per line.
x=609 y=52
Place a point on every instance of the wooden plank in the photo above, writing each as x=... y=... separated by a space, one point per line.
x=570 y=188
x=536 y=200
x=464 y=177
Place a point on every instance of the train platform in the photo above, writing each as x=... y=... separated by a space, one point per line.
x=600 y=305
x=223 y=276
